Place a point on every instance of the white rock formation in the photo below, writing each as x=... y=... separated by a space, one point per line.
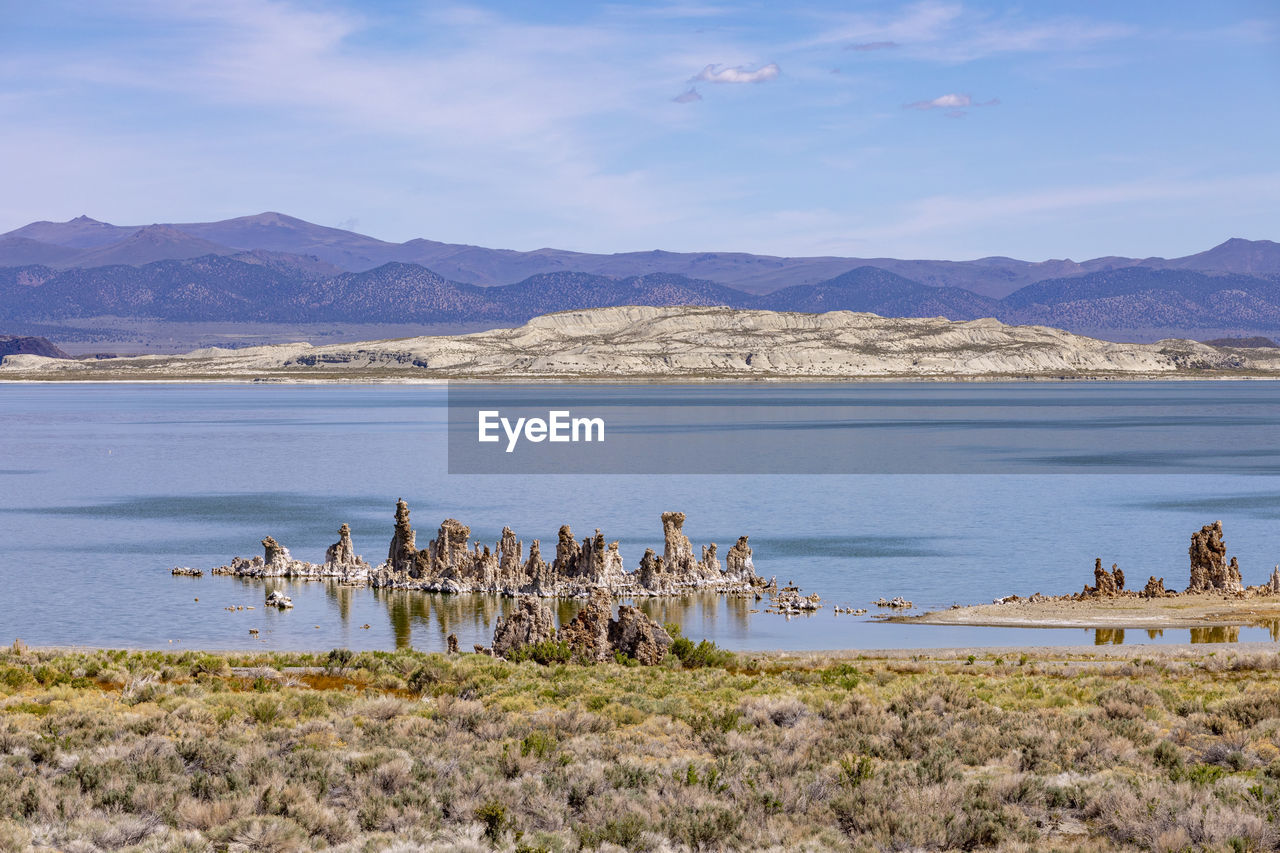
x=689 y=342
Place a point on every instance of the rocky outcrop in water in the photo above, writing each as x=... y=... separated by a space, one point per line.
x=341 y=563
x=739 y=560
x=342 y=552
x=677 y=550
x=592 y=635
x=1106 y=584
x=1210 y=570
x=637 y=636
x=529 y=624
x=402 y=553
x=453 y=563
x=790 y=601
x=276 y=555
x=341 y=557
x=587 y=634
x=1155 y=588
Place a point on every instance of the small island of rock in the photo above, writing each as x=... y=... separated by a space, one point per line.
x=452 y=563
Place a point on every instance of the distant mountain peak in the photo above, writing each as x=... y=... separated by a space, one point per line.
x=272 y=217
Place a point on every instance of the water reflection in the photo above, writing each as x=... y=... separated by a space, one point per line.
x=425 y=620
x=1108 y=636
x=412 y=618
x=438 y=615
x=1202 y=634
x=1216 y=634
x=478 y=614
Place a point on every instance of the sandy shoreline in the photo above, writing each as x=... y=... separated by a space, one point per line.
x=1182 y=611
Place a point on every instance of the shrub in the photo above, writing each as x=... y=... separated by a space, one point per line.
x=626 y=832
x=14 y=677
x=705 y=653
x=854 y=772
x=338 y=660
x=264 y=712
x=1167 y=755
x=545 y=652
x=433 y=671
x=539 y=744
x=493 y=815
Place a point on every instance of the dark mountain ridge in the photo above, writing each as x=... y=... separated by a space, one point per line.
x=258 y=287
x=85 y=242
x=29 y=345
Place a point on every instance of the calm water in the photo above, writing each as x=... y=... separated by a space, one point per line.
x=104 y=488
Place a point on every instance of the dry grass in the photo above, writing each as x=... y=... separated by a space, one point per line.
x=190 y=752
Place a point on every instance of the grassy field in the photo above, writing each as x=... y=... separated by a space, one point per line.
x=114 y=750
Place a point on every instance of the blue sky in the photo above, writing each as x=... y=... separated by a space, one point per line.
x=929 y=129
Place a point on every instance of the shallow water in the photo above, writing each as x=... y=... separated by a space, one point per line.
x=104 y=488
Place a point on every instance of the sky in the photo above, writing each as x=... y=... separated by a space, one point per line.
x=930 y=129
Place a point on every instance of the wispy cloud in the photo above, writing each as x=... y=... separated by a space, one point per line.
x=688 y=96
x=941 y=213
x=956 y=103
x=738 y=74
x=872 y=45
x=943 y=102
x=953 y=32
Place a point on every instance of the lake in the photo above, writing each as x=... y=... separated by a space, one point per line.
x=105 y=487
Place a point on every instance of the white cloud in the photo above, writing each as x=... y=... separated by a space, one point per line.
x=738 y=74
x=943 y=102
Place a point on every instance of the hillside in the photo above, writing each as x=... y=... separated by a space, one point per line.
x=270 y=287
x=25 y=345
x=84 y=242
x=882 y=292
x=1139 y=297
x=690 y=344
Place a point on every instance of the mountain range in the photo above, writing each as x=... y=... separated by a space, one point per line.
x=272 y=268
x=84 y=243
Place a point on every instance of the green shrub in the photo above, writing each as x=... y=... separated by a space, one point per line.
x=705 y=653
x=15 y=677
x=339 y=659
x=1167 y=755
x=546 y=652
x=854 y=772
x=264 y=712
x=433 y=671
x=626 y=832
x=493 y=815
x=539 y=744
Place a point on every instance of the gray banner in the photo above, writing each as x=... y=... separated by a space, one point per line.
x=869 y=428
